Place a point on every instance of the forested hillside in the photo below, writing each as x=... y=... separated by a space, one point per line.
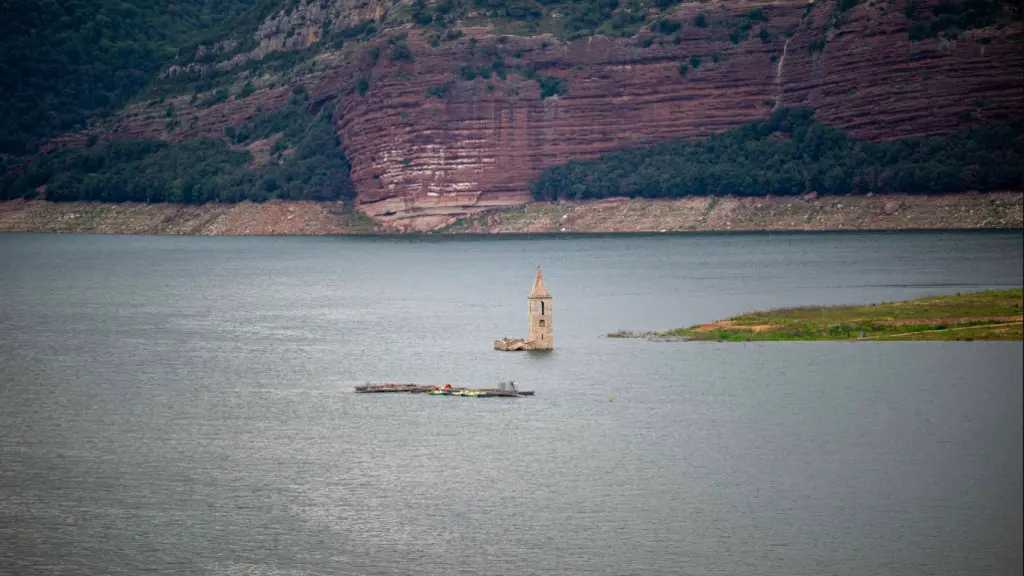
x=62 y=61
x=793 y=154
x=303 y=161
x=428 y=109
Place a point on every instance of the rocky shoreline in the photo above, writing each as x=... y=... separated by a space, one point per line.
x=1000 y=210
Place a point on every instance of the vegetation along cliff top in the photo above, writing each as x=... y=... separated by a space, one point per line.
x=418 y=113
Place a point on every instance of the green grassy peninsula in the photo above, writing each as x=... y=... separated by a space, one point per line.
x=989 y=315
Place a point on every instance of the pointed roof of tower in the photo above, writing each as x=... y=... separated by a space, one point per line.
x=539 y=289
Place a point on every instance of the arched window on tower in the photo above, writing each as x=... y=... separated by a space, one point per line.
x=541 y=307
x=541 y=324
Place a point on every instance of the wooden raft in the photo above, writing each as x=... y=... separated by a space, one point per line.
x=424 y=389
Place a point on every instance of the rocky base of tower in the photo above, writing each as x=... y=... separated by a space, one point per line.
x=516 y=344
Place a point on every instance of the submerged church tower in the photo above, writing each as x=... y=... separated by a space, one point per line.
x=541 y=333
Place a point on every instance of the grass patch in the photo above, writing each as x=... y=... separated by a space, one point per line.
x=1012 y=331
x=988 y=315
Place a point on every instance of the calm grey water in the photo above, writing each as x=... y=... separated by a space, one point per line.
x=185 y=406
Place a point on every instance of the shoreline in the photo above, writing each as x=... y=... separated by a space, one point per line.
x=982 y=316
x=903 y=212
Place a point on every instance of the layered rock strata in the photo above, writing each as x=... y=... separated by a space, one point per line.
x=428 y=146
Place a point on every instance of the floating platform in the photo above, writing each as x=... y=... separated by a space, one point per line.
x=507 y=391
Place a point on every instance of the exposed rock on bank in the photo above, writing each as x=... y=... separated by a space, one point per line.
x=243 y=219
x=964 y=211
x=891 y=212
x=429 y=139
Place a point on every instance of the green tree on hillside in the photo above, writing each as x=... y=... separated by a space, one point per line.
x=791 y=153
x=306 y=162
x=61 y=61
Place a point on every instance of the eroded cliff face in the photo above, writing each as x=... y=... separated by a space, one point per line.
x=423 y=160
x=427 y=146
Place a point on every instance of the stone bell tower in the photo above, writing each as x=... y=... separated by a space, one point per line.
x=541 y=334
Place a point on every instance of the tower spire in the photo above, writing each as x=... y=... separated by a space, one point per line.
x=539 y=289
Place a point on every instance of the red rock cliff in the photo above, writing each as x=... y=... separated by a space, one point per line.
x=418 y=160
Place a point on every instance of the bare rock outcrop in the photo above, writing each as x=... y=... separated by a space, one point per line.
x=997 y=210
x=427 y=145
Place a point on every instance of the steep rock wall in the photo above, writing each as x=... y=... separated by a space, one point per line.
x=420 y=160
x=425 y=160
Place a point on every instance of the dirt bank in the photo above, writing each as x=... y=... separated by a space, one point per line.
x=967 y=211
x=244 y=219
x=962 y=211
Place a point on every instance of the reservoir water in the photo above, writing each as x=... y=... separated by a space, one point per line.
x=184 y=405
